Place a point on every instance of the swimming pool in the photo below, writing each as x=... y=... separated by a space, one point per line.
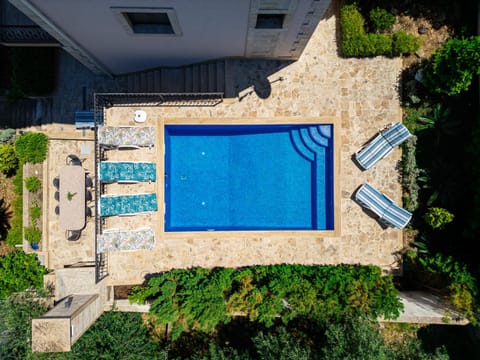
x=248 y=177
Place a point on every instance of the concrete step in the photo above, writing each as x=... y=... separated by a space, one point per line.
x=204 y=77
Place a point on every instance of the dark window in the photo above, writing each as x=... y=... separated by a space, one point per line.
x=149 y=23
x=270 y=21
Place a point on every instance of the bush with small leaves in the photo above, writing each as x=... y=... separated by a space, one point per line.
x=381 y=20
x=19 y=271
x=403 y=43
x=31 y=147
x=32 y=234
x=32 y=183
x=8 y=159
x=437 y=217
x=35 y=212
x=7 y=136
x=452 y=68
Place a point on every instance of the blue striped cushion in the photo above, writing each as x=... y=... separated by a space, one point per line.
x=382 y=206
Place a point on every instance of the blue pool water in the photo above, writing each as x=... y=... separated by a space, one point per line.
x=248 y=177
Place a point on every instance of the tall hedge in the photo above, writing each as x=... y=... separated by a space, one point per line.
x=200 y=298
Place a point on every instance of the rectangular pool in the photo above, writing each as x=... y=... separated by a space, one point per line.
x=248 y=177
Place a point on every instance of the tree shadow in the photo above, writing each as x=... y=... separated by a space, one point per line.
x=460 y=341
x=5 y=216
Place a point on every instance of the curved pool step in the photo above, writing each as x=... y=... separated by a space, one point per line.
x=311 y=144
x=299 y=145
x=317 y=136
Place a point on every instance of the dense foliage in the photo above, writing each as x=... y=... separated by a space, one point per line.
x=32 y=183
x=452 y=68
x=8 y=159
x=201 y=299
x=356 y=42
x=437 y=217
x=449 y=276
x=7 y=136
x=116 y=335
x=15 y=234
x=31 y=147
x=381 y=19
x=19 y=271
x=349 y=339
x=16 y=314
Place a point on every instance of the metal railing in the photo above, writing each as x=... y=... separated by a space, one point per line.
x=160 y=99
x=25 y=34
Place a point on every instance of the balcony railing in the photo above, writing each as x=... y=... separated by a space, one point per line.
x=25 y=34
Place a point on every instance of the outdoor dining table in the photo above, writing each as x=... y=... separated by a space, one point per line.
x=72 y=197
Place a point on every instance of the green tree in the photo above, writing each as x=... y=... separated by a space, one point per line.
x=116 y=335
x=280 y=345
x=20 y=271
x=451 y=68
x=360 y=339
x=16 y=314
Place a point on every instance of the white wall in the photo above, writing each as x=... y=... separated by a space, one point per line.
x=211 y=29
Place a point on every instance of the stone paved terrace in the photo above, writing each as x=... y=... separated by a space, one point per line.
x=359 y=95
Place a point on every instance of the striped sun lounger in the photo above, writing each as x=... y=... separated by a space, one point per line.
x=382 y=145
x=110 y=205
x=127 y=171
x=388 y=212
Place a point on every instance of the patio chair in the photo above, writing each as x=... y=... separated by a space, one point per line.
x=88 y=196
x=56 y=182
x=382 y=206
x=88 y=181
x=73 y=160
x=73 y=235
x=56 y=196
x=382 y=145
x=57 y=210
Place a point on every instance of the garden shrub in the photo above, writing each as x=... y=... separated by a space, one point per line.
x=449 y=276
x=437 y=217
x=19 y=271
x=32 y=183
x=356 y=43
x=35 y=212
x=7 y=136
x=31 y=147
x=32 y=234
x=452 y=68
x=403 y=43
x=410 y=174
x=200 y=299
x=15 y=234
x=381 y=20
x=8 y=159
